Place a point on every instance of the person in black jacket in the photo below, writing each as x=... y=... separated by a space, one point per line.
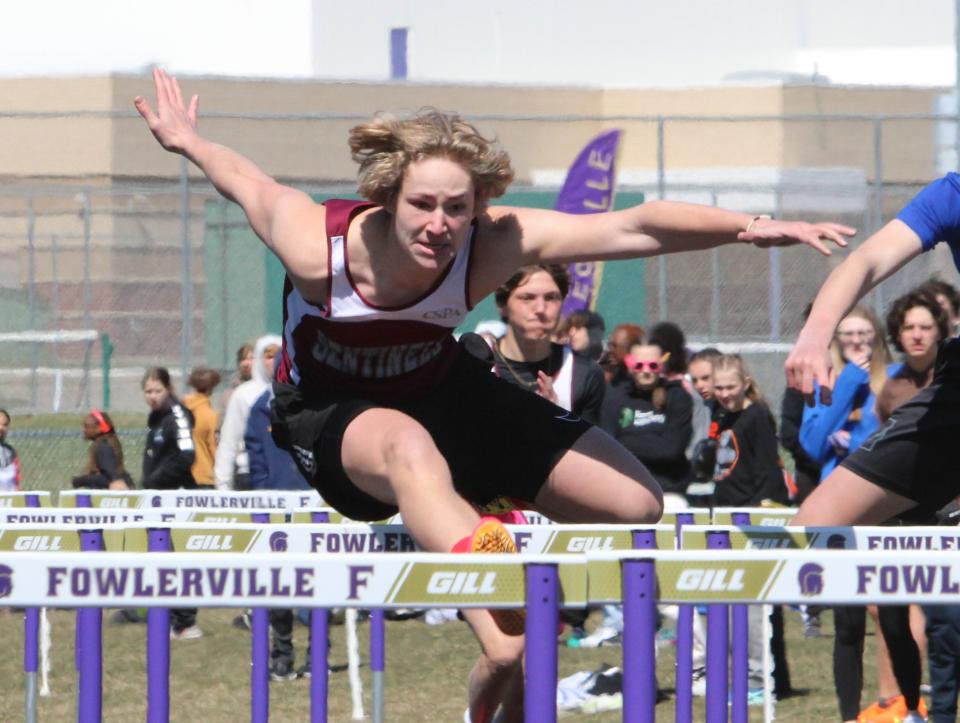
x=748 y=471
x=652 y=417
x=105 y=468
x=169 y=452
x=530 y=302
x=167 y=458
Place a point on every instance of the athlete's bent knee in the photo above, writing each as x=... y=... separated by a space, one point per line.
x=644 y=505
x=506 y=651
x=650 y=513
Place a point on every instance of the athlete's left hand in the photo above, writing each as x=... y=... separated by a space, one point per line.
x=767 y=232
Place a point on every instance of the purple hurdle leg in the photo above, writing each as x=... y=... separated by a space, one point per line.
x=260 y=657
x=158 y=645
x=319 y=652
x=319 y=664
x=31 y=639
x=378 y=638
x=540 y=670
x=259 y=675
x=740 y=654
x=718 y=630
x=83 y=500
x=639 y=634
x=89 y=620
x=31 y=635
x=684 y=671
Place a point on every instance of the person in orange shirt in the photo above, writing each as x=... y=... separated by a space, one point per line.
x=204 y=381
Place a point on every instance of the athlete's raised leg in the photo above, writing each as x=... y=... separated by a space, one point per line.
x=846 y=498
x=391 y=457
x=598 y=480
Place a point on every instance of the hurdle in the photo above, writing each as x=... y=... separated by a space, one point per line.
x=728 y=534
x=146 y=536
x=638 y=578
x=852 y=577
x=381 y=538
x=558 y=541
x=109 y=579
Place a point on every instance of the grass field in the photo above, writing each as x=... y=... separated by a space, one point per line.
x=425 y=677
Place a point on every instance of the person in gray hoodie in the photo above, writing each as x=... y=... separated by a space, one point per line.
x=231 y=469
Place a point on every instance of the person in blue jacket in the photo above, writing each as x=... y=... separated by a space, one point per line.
x=829 y=432
x=271 y=468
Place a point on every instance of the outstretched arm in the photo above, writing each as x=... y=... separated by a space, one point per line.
x=877 y=258
x=531 y=236
x=277 y=213
x=661 y=227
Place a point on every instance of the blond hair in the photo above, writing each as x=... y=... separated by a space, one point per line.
x=386 y=146
x=734 y=362
x=879 y=357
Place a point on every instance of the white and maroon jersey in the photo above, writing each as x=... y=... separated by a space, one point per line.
x=350 y=345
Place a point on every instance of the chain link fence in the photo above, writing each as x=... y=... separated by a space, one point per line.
x=162 y=271
x=51 y=458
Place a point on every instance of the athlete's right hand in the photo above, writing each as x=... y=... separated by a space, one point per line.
x=809 y=365
x=174 y=122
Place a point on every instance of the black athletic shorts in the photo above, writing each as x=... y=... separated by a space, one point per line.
x=498 y=439
x=912 y=454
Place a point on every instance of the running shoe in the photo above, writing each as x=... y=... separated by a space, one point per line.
x=243 y=621
x=490 y=536
x=282 y=670
x=189 y=633
x=601 y=637
x=891 y=710
x=698 y=686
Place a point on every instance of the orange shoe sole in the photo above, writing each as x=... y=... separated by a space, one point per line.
x=490 y=536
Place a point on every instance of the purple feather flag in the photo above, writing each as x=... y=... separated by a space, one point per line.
x=589 y=188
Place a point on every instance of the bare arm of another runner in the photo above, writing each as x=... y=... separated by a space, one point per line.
x=878 y=257
x=278 y=214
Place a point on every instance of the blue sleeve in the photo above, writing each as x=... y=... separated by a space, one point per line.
x=821 y=420
x=934 y=213
x=869 y=421
x=253 y=441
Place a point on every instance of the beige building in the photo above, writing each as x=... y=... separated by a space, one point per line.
x=85 y=128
